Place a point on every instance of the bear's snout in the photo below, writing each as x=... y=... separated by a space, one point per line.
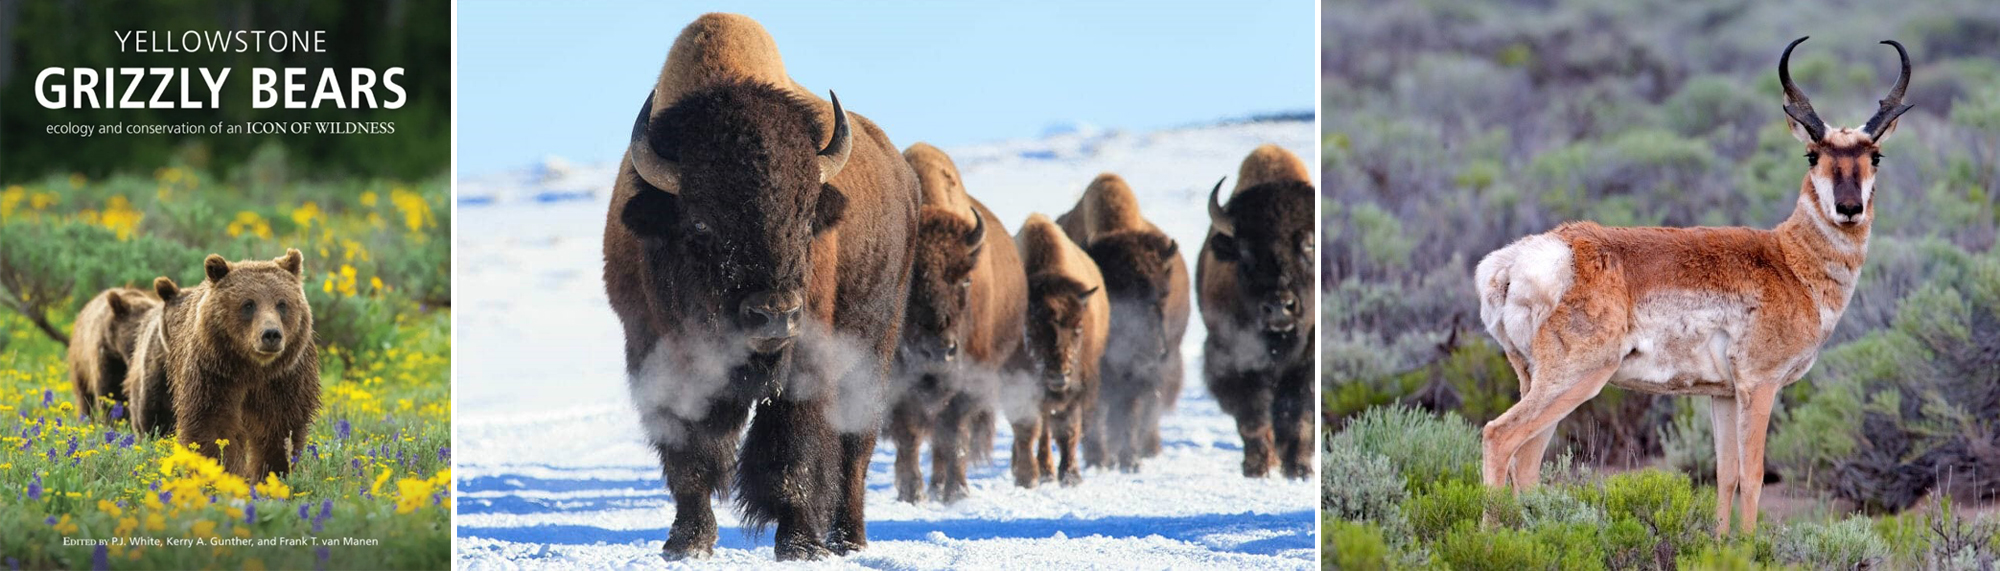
x=271 y=340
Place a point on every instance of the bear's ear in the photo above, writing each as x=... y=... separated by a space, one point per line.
x=832 y=206
x=119 y=307
x=216 y=266
x=166 y=287
x=293 y=261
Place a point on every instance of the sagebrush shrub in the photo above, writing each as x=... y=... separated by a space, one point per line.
x=1847 y=544
x=1422 y=447
x=1359 y=485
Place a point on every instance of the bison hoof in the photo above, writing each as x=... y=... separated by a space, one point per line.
x=842 y=546
x=684 y=543
x=1071 y=479
x=950 y=493
x=1298 y=471
x=910 y=494
x=1256 y=469
x=801 y=549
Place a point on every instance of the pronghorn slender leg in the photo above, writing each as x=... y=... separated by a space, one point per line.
x=1554 y=396
x=1527 y=464
x=1728 y=459
x=1753 y=420
x=1527 y=471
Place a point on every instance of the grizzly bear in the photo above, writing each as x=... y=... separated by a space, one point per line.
x=148 y=402
x=240 y=362
x=101 y=344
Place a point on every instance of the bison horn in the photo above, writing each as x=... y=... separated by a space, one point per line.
x=1085 y=296
x=977 y=236
x=834 y=156
x=1796 y=104
x=1217 y=217
x=1892 y=106
x=654 y=169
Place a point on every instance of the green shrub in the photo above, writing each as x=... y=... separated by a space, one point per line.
x=1722 y=557
x=1420 y=446
x=1438 y=508
x=1673 y=512
x=1845 y=544
x=1354 y=546
x=1573 y=546
x=1689 y=442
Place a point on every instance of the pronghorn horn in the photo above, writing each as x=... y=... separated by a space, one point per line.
x=1892 y=106
x=1218 y=217
x=1796 y=104
x=834 y=156
x=654 y=169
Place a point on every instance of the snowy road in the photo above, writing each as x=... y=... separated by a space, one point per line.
x=553 y=471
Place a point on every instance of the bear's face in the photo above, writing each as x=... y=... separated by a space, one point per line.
x=257 y=310
x=129 y=309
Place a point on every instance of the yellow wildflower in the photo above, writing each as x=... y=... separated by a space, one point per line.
x=376 y=490
x=274 y=488
x=111 y=508
x=65 y=526
x=154 y=522
x=202 y=528
x=306 y=213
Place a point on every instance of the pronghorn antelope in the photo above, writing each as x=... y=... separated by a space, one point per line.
x=1730 y=313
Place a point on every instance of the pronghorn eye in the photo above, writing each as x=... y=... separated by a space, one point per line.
x=1875 y=159
x=1812 y=159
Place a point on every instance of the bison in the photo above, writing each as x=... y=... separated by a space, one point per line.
x=962 y=327
x=1065 y=336
x=1146 y=282
x=757 y=252
x=1255 y=278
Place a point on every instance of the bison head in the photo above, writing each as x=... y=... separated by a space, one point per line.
x=940 y=283
x=1136 y=266
x=1266 y=232
x=732 y=190
x=1056 y=309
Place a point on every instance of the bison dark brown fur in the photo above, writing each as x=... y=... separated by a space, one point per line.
x=1255 y=278
x=757 y=252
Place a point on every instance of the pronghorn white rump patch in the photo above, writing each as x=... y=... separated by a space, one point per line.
x=1520 y=285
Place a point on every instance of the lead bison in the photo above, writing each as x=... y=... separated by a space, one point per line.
x=1255 y=278
x=757 y=252
x=1146 y=281
x=968 y=302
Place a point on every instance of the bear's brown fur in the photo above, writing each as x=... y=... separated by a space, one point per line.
x=240 y=362
x=101 y=344
x=149 y=403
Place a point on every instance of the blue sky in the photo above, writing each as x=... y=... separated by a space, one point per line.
x=563 y=78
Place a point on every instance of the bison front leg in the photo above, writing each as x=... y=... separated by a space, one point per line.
x=1292 y=422
x=790 y=473
x=1068 y=428
x=850 y=526
x=695 y=456
x=907 y=427
x=1243 y=397
x=948 y=448
x=1026 y=468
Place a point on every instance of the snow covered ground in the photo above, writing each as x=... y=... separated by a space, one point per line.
x=553 y=471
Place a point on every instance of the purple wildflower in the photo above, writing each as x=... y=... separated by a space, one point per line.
x=167 y=496
x=343 y=430
x=51 y=520
x=444 y=454
x=249 y=513
x=72 y=446
x=312 y=450
x=52 y=454
x=100 y=558
x=303 y=508
x=156 y=485
x=117 y=410
x=326 y=508
x=35 y=488
x=128 y=441
x=48 y=398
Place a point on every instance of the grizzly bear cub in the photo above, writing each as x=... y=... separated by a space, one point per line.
x=240 y=364
x=101 y=345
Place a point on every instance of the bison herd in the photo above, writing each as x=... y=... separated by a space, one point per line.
x=767 y=250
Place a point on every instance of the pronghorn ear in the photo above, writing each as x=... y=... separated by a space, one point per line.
x=1799 y=131
x=1888 y=128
